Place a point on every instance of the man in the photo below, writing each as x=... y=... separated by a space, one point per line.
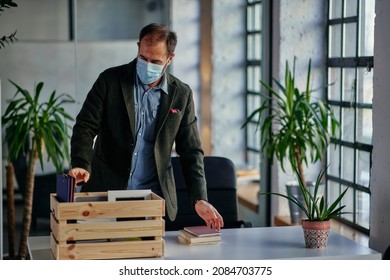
x=137 y=112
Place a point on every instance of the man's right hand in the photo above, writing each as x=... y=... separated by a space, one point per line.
x=81 y=175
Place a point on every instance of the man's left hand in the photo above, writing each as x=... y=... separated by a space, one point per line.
x=209 y=214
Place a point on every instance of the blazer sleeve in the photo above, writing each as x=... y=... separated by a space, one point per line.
x=189 y=148
x=87 y=126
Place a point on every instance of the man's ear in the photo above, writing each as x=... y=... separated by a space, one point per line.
x=170 y=58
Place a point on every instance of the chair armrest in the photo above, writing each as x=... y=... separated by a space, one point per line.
x=246 y=224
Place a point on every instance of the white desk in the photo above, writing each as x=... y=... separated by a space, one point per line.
x=246 y=244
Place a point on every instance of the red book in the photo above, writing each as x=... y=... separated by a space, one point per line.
x=202 y=231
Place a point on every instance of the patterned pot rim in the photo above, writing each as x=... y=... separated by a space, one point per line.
x=316 y=225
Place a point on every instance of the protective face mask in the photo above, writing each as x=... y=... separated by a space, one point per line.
x=149 y=72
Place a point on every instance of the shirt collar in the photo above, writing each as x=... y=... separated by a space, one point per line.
x=163 y=85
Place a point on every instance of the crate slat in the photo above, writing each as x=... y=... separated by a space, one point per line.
x=109 y=250
x=96 y=230
x=108 y=209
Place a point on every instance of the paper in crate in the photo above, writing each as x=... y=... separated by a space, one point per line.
x=105 y=225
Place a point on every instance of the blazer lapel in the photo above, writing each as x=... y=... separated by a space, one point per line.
x=165 y=104
x=127 y=82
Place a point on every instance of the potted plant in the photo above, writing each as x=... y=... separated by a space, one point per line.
x=33 y=125
x=293 y=125
x=318 y=212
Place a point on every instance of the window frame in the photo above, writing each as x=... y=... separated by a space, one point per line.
x=253 y=156
x=351 y=143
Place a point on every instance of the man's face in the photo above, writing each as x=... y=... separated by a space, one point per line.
x=154 y=51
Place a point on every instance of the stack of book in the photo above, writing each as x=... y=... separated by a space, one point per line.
x=199 y=235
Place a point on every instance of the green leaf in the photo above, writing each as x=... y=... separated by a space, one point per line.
x=293 y=121
x=28 y=119
x=290 y=198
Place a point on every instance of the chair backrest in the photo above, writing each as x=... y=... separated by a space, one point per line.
x=221 y=189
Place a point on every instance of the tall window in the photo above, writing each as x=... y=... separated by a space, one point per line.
x=350 y=73
x=256 y=49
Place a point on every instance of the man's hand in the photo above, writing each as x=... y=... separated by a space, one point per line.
x=209 y=214
x=81 y=175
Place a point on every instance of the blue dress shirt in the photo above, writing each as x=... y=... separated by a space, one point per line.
x=143 y=172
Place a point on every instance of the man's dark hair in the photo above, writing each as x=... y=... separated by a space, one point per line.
x=160 y=32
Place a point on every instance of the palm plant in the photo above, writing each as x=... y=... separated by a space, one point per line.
x=301 y=125
x=43 y=125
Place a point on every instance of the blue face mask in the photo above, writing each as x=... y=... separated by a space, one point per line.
x=149 y=72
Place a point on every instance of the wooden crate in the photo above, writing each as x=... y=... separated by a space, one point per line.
x=107 y=229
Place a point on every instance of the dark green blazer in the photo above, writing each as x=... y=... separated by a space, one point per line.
x=108 y=114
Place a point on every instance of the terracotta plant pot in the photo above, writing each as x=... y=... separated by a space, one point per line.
x=316 y=233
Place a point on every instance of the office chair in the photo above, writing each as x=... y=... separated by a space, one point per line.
x=221 y=189
x=386 y=254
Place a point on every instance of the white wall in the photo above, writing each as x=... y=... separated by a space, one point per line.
x=380 y=172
